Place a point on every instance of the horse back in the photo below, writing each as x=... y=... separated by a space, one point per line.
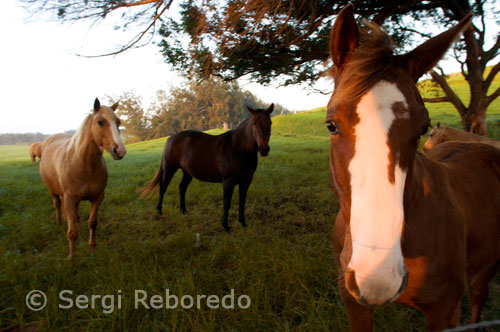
x=474 y=170
x=197 y=153
x=209 y=158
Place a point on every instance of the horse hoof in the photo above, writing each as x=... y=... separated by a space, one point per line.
x=227 y=229
x=183 y=211
x=92 y=246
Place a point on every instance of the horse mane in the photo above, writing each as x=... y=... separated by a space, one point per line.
x=366 y=64
x=77 y=137
x=242 y=124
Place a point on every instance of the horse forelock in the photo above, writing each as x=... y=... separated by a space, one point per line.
x=365 y=66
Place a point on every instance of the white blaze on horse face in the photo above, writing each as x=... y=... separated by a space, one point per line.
x=376 y=204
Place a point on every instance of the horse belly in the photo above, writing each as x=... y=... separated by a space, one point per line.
x=201 y=162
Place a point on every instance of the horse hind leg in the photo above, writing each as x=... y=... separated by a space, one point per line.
x=168 y=174
x=478 y=291
x=56 y=199
x=186 y=180
x=94 y=207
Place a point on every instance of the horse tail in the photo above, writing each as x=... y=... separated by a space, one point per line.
x=148 y=188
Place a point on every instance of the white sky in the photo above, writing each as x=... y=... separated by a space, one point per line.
x=45 y=87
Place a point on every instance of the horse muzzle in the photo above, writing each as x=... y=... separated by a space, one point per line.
x=118 y=151
x=377 y=294
x=264 y=151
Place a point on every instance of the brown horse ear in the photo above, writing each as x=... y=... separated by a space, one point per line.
x=438 y=124
x=344 y=37
x=97 y=105
x=426 y=56
x=270 y=109
x=114 y=106
x=430 y=125
x=251 y=110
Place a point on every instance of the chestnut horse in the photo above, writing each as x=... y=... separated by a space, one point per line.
x=35 y=151
x=74 y=169
x=230 y=158
x=412 y=229
x=443 y=133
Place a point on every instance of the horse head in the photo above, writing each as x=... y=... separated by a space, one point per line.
x=375 y=117
x=260 y=121
x=105 y=130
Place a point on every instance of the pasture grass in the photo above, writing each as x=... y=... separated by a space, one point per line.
x=282 y=261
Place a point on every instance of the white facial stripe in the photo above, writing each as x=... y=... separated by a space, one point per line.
x=114 y=131
x=114 y=127
x=376 y=204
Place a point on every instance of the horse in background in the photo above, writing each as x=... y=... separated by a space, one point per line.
x=73 y=168
x=442 y=133
x=36 y=151
x=412 y=229
x=230 y=158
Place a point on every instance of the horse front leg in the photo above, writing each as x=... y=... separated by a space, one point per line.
x=443 y=315
x=94 y=207
x=228 y=187
x=361 y=318
x=71 y=213
x=243 y=188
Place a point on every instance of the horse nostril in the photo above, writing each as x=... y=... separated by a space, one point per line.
x=115 y=150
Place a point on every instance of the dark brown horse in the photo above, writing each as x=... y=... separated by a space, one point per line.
x=230 y=158
x=412 y=229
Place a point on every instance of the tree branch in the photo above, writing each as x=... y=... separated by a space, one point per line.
x=491 y=76
x=453 y=98
x=492 y=97
x=132 y=43
x=436 y=100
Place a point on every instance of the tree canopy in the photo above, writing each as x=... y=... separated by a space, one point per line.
x=286 y=41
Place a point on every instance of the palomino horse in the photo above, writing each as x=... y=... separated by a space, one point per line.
x=74 y=170
x=230 y=158
x=443 y=133
x=412 y=229
x=35 y=151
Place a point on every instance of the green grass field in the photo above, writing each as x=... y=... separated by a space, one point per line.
x=283 y=261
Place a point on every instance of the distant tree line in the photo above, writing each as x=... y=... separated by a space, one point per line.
x=27 y=138
x=204 y=105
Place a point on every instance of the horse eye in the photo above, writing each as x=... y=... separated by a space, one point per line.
x=332 y=128
x=100 y=123
x=424 y=130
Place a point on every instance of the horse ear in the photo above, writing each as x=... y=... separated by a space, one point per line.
x=114 y=106
x=438 y=124
x=344 y=37
x=97 y=105
x=270 y=109
x=426 y=56
x=251 y=110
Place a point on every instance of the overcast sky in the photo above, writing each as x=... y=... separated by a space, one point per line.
x=45 y=87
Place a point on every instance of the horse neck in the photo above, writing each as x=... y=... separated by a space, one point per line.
x=83 y=146
x=243 y=137
x=455 y=134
